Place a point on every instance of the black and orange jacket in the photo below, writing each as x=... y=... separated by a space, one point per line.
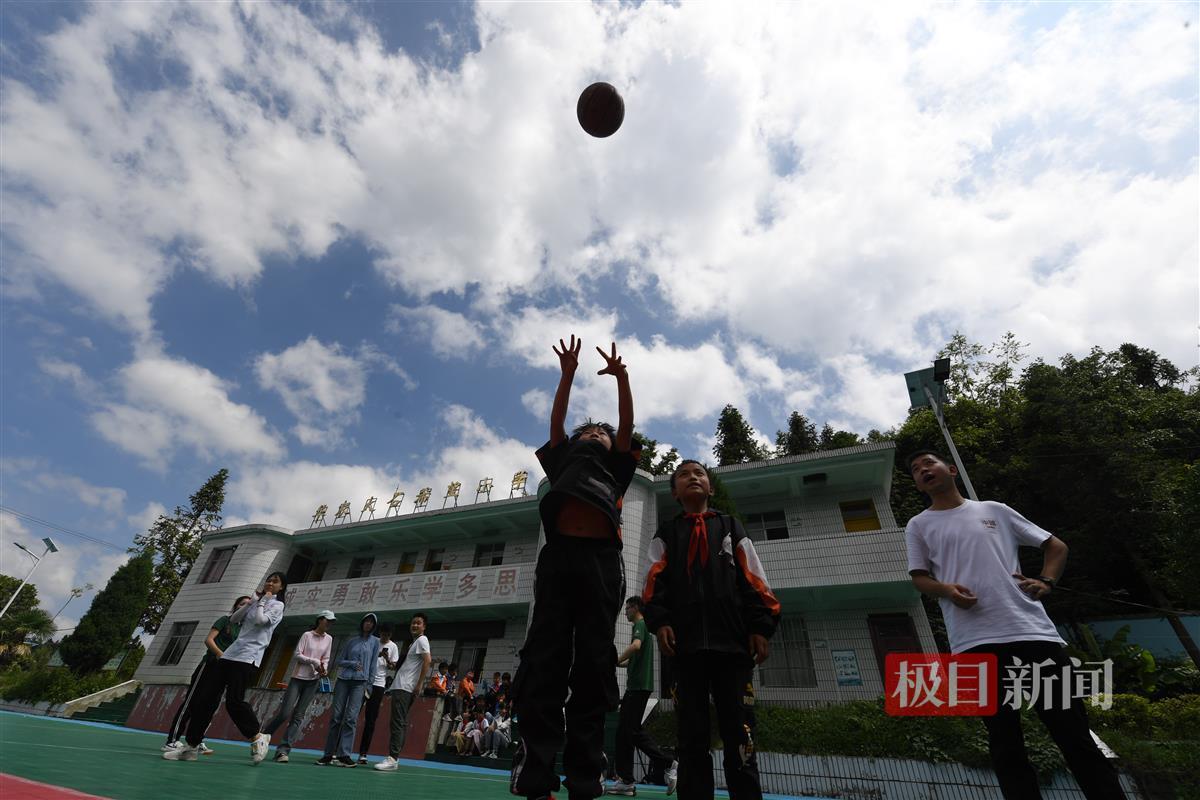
x=714 y=606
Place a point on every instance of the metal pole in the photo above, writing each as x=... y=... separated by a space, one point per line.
x=962 y=471
x=36 y=561
x=64 y=605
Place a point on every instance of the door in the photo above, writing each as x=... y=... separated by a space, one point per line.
x=892 y=633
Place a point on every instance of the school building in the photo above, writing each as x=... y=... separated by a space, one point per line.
x=821 y=523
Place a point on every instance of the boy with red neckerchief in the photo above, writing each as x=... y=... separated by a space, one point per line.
x=707 y=599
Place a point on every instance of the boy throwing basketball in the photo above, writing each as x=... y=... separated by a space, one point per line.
x=577 y=594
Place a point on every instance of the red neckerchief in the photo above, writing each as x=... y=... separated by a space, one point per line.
x=698 y=543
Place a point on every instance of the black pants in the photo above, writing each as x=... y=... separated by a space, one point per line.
x=1068 y=727
x=577 y=594
x=631 y=734
x=232 y=678
x=370 y=714
x=183 y=713
x=724 y=676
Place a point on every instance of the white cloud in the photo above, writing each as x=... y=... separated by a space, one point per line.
x=69 y=372
x=450 y=334
x=170 y=403
x=106 y=498
x=74 y=565
x=869 y=397
x=320 y=384
x=287 y=494
x=142 y=520
x=930 y=164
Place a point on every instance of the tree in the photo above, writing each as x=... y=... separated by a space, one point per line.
x=109 y=624
x=175 y=542
x=721 y=500
x=832 y=440
x=736 y=443
x=799 y=438
x=24 y=620
x=651 y=461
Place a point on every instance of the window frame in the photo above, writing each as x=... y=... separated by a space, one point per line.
x=411 y=565
x=177 y=642
x=493 y=552
x=214 y=561
x=759 y=529
x=364 y=565
x=790 y=667
x=864 y=515
x=441 y=559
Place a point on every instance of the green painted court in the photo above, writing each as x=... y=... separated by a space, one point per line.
x=127 y=764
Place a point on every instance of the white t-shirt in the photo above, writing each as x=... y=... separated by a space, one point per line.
x=386 y=651
x=410 y=670
x=975 y=545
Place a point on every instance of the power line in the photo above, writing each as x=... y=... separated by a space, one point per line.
x=59 y=528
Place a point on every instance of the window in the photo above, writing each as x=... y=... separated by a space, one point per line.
x=859 y=515
x=177 y=643
x=469 y=655
x=318 y=571
x=408 y=563
x=791 y=662
x=214 y=570
x=433 y=560
x=766 y=526
x=489 y=555
x=360 y=567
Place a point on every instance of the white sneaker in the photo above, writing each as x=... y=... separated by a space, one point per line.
x=388 y=764
x=182 y=753
x=672 y=776
x=205 y=750
x=259 y=746
x=281 y=757
x=623 y=789
x=171 y=745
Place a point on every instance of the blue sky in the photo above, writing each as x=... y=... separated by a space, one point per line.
x=329 y=246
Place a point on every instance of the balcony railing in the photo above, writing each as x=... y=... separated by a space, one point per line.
x=508 y=583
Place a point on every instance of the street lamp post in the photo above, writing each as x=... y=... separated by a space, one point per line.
x=927 y=387
x=50 y=548
x=76 y=592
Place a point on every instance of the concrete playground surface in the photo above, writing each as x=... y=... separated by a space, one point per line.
x=126 y=764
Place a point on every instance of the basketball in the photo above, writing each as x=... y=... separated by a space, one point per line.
x=600 y=110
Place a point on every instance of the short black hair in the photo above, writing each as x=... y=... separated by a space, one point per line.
x=913 y=456
x=384 y=627
x=420 y=614
x=636 y=602
x=685 y=462
x=238 y=602
x=453 y=666
x=283 y=582
x=506 y=677
x=588 y=424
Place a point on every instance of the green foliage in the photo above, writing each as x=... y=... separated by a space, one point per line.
x=1161 y=738
x=652 y=461
x=736 y=442
x=23 y=620
x=799 y=438
x=1134 y=668
x=721 y=500
x=175 y=543
x=110 y=622
x=55 y=684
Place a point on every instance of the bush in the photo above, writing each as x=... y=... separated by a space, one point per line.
x=56 y=684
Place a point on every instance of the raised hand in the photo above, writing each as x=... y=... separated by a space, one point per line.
x=613 y=362
x=568 y=357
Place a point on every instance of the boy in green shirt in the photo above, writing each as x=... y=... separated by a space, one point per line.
x=639 y=659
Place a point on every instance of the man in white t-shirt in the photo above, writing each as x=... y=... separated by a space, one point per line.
x=964 y=553
x=410 y=677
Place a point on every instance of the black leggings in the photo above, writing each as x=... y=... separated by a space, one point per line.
x=184 y=712
x=232 y=678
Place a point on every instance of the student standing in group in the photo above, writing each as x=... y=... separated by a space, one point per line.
x=577 y=594
x=964 y=553
x=234 y=672
x=639 y=684
x=312 y=664
x=389 y=658
x=220 y=636
x=357 y=663
x=706 y=596
x=410 y=677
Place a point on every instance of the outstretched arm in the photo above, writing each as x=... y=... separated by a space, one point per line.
x=568 y=359
x=624 y=398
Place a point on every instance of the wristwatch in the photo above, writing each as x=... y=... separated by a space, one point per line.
x=1048 y=581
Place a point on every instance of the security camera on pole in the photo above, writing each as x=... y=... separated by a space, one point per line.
x=50 y=548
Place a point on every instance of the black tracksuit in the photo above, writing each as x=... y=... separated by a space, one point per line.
x=713 y=602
